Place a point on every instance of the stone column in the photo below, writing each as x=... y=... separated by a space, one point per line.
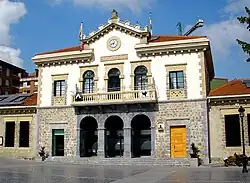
x=101 y=142
x=153 y=139
x=127 y=142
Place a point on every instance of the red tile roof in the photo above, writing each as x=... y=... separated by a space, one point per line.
x=163 y=38
x=234 y=87
x=74 y=48
x=160 y=38
x=31 y=101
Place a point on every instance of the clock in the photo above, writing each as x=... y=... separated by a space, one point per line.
x=113 y=43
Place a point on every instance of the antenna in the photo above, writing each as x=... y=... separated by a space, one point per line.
x=199 y=23
x=179 y=28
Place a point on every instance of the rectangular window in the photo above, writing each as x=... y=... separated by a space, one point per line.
x=59 y=88
x=176 y=79
x=232 y=130
x=9 y=134
x=7 y=72
x=24 y=134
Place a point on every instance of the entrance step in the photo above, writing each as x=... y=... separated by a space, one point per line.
x=176 y=162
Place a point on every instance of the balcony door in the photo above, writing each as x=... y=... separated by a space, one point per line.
x=114 y=83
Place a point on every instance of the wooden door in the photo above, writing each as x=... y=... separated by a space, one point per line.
x=178 y=142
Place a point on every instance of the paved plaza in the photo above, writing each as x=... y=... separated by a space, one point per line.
x=21 y=171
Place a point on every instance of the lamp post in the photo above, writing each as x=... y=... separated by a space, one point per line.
x=245 y=160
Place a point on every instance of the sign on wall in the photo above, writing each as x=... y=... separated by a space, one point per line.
x=78 y=96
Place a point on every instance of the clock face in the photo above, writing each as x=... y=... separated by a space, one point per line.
x=113 y=43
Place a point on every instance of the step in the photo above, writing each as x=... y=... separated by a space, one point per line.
x=122 y=161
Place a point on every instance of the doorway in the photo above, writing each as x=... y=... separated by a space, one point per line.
x=57 y=142
x=178 y=142
x=88 y=137
x=141 y=136
x=114 y=137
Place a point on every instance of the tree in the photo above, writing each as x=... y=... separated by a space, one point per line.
x=245 y=20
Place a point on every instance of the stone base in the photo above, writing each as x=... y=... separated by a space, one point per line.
x=193 y=162
x=144 y=161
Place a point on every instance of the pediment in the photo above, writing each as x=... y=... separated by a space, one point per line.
x=122 y=26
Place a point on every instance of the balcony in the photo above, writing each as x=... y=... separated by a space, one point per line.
x=115 y=97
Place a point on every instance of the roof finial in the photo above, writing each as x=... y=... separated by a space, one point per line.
x=114 y=14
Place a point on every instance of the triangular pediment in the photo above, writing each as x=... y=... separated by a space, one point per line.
x=122 y=26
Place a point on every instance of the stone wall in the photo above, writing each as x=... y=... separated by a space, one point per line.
x=58 y=118
x=217 y=130
x=16 y=151
x=192 y=114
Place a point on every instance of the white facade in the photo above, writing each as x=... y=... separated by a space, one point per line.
x=192 y=59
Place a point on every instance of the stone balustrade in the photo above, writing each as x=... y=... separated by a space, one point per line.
x=130 y=96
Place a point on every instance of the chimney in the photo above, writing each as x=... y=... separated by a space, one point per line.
x=36 y=70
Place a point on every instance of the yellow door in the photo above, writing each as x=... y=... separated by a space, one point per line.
x=178 y=142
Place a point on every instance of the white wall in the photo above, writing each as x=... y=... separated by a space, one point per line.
x=127 y=47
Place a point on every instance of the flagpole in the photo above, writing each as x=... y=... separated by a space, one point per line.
x=150 y=23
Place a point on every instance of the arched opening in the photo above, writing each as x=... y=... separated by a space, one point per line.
x=114 y=83
x=140 y=78
x=88 y=82
x=114 y=137
x=141 y=136
x=88 y=137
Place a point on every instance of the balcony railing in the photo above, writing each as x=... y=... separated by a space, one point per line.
x=115 y=97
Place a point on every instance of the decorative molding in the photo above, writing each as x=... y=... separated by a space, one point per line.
x=116 y=24
x=114 y=63
x=172 y=47
x=114 y=57
x=15 y=111
x=55 y=59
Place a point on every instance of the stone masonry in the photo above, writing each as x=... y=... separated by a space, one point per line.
x=57 y=118
x=192 y=114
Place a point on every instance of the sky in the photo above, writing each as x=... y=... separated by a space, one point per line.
x=28 y=27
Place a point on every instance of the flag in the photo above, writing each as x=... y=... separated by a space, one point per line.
x=150 y=23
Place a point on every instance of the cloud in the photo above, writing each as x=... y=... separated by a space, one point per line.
x=133 y=5
x=223 y=34
x=236 y=6
x=10 y=13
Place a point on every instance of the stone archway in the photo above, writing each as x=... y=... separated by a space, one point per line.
x=88 y=137
x=141 y=136
x=114 y=137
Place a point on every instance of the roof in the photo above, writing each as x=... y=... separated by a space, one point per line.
x=74 y=48
x=18 y=100
x=20 y=69
x=164 y=38
x=154 y=38
x=234 y=87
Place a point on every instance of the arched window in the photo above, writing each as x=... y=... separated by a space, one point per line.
x=88 y=82
x=140 y=78
x=114 y=80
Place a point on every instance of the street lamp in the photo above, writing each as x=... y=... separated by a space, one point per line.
x=245 y=159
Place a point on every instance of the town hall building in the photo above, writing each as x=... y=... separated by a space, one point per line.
x=125 y=93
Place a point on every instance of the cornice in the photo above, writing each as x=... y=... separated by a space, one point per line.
x=63 y=58
x=228 y=101
x=14 y=111
x=172 y=47
x=115 y=24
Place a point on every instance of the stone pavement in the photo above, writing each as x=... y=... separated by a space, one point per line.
x=21 y=171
